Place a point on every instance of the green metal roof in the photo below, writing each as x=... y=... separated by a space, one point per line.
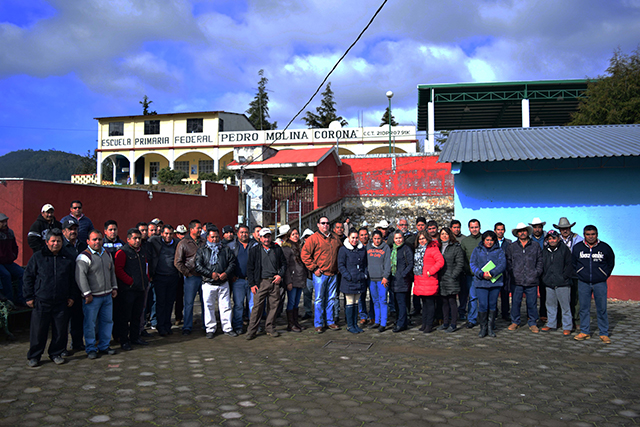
x=498 y=104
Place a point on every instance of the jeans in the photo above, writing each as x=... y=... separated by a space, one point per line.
x=293 y=298
x=307 y=291
x=401 y=305
x=563 y=296
x=326 y=288
x=599 y=291
x=473 y=301
x=192 y=286
x=531 y=293
x=362 y=307
x=488 y=299
x=241 y=293
x=7 y=273
x=379 y=299
x=98 y=314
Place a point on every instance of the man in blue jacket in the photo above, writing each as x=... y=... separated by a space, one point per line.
x=593 y=261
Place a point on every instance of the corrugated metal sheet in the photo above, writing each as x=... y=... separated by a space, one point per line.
x=559 y=142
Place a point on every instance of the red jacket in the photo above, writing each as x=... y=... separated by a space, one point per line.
x=433 y=261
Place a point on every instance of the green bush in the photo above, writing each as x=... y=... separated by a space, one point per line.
x=171 y=177
x=208 y=177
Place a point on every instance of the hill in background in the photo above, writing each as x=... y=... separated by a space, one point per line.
x=50 y=165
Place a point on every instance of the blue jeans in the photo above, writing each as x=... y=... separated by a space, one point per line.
x=7 y=273
x=488 y=298
x=599 y=291
x=516 y=302
x=192 y=286
x=379 y=300
x=241 y=292
x=293 y=298
x=326 y=288
x=473 y=301
x=98 y=314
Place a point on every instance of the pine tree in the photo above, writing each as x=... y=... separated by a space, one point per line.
x=385 y=119
x=613 y=98
x=326 y=112
x=145 y=107
x=259 y=108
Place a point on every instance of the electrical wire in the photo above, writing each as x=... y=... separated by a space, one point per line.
x=325 y=79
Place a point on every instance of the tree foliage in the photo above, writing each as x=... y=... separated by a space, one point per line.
x=170 y=176
x=613 y=98
x=50 y=165
x=145 y=107
x=225 y=173
x=326 y=112
x=259 y=108
x=385 y=118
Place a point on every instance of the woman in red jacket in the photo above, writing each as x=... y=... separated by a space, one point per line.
x=427 y=261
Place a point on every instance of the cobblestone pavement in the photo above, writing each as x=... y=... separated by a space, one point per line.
x=337 y=379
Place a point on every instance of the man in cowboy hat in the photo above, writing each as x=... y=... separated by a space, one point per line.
x=570 y=239
x=524 y=261
x=538 y=236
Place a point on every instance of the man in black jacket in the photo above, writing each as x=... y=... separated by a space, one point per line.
x=557 y=271
x=48 y=280
x=216 y=264
x=524 y=263
x=38 y=232
x=593 y=261
x=165 y=277
x=266 y=267
x=74 y=246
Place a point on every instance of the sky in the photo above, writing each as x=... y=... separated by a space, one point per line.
x=65 y=62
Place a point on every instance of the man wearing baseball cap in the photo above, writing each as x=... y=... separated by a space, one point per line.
x=38 y=232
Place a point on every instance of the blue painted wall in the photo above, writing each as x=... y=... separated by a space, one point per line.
x=602 y=192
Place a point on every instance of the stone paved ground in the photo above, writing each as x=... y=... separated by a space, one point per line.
x=297 y=379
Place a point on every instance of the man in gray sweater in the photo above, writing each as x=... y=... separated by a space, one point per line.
x=96 y=278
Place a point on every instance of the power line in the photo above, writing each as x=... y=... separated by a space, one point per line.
x=327 y=76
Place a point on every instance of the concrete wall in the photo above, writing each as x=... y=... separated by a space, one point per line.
x=602 y=192
x=21 y=200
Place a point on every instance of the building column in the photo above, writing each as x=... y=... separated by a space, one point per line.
x=525 y=114
x=431 y=124
x=99 y=167
x=172 y=158
x=132 y=166
x=216 y=160
x=115 y=170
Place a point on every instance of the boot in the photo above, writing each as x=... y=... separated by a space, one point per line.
x=482 y=321
x=356 y=318
x=349 y=309
x=492 y=323
x=290 y=324
x=296 y=321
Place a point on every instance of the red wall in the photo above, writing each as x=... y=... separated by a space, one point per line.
x=326 y=183
x=21 y=201
x=413 y=176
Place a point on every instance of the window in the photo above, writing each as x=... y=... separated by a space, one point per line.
x=152 y=127
x=116 y=128
x=220 y=125
x=154 y=167
x=194 y=125
x=182 y=166
x=205 y=166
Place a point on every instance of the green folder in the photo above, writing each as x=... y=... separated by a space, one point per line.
x=488 y=267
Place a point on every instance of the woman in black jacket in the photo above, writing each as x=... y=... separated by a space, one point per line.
x=450 y=278
x=352 y=264
x=401 y=277
x=294 y=279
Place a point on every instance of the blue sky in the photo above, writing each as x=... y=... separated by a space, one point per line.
x=65 y=62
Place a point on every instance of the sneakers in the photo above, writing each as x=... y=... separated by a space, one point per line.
x=92 y=355
x=382 y=328
x=451 y=328
x=534 y=329
x=374 y=326
x=274 y=334
x=231 y=334
x=513 y=326
x=605 y=339
x=33 y=363
x=582 y=337
x=58 y=360
x=109 y=351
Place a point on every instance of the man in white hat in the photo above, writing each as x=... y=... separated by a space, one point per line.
x=38 y=232
x=524 y=261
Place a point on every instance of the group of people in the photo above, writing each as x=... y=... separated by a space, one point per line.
x=97 y=286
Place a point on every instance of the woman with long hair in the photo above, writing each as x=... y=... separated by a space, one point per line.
x=450 y=278
x=352 y=264
x=427 y=262
x=379 y=264
x=295 y=278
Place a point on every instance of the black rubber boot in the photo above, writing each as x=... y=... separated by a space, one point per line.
x=492 y=323
x=482 y=321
